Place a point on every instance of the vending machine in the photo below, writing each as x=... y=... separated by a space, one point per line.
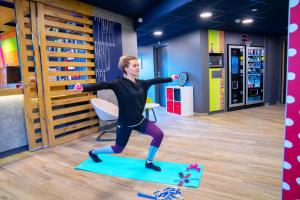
x=236 y=76
x=245 y=76
x=254 y=75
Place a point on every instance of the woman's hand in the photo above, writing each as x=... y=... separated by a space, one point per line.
x=32 y=82
x=174 y=77
x=78 y=87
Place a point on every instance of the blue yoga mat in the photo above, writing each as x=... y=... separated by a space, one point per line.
x=134 y=168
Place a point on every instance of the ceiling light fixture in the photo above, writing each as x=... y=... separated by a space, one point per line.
x=157 y=33
x=206 y=14
x=247 y=21
x=254 y=10
x=237 y=21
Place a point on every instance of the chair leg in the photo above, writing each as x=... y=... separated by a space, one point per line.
x=105 y=140
x=107 y=129
x=147 y=113
x=155 y=120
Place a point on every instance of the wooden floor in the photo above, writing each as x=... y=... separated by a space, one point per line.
x=241 y=152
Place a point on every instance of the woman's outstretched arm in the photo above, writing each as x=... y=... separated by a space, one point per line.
x=160 y=80
x=95 y=86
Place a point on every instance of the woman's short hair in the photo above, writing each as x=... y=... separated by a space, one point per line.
x=124 y=62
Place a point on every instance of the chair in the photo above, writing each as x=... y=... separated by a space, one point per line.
x=150 y=106
x=107 y=112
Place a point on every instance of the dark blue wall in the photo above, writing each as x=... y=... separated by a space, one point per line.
x=145 y=53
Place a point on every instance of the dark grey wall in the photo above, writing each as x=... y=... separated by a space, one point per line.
x=236 y=38
x=129 y=39
x=272 y=69
x=204 y=85
x=272 y=46
x=12 y=123
x=189 y=53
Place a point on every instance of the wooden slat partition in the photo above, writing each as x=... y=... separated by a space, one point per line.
x=71 y=100
x=60 y=83
x=71 y=73
x=68 y=27
x=56 y=52
x=69 y=36
x=71 y=55
x=74 y=118
x=33 y=97
x=71 y=64
x=70 y=18
x=66 y=45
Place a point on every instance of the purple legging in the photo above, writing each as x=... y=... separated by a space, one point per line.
x=146 y=127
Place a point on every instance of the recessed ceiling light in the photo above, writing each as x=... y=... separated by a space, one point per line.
x=247 y=21
x=254 y=10
x=157 y=33
x=237 y=21
x=206 y=14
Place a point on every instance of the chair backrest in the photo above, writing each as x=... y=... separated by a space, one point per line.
x=149 y=100
x=107 y=95
x=104 y=109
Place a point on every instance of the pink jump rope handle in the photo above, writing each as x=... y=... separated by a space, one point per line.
x=193 y=166
x=78 y=86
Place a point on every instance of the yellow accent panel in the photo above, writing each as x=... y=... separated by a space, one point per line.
x=215 y=41
x=216 y=91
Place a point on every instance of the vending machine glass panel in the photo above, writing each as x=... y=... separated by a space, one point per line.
x=255 y=75
x=236 y=75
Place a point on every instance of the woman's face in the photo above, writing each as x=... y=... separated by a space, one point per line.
x=133 y=68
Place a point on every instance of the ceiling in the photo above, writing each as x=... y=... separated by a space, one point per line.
x=175 y=17
x=271 y=17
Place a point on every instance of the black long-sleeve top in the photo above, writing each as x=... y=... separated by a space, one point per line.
x=131 y=96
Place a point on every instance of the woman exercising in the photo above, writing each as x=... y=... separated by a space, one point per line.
x=131 y=94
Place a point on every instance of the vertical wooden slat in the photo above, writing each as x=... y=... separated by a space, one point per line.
x=39 y=80
x=21 y=38
x=42 y=39
x=88 y=60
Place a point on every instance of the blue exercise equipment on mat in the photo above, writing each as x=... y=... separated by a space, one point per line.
x=169 y=193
